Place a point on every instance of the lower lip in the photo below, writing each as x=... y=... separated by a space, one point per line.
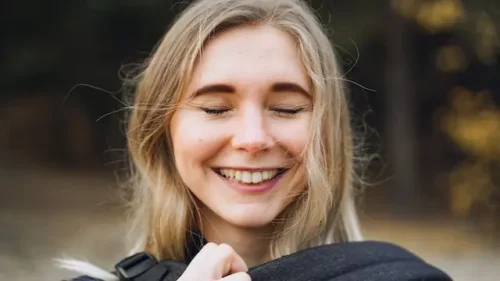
x=252 y=188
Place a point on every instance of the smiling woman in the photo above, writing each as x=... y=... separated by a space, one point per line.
x=242 y=151
x=238 y=141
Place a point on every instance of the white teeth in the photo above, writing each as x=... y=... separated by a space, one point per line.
x=256 y=177
x=247 y=176
x=265 y=175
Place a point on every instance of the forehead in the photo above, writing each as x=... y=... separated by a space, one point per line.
x=250 y=55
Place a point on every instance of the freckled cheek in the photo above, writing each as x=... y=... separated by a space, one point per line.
x=194 y=141
x=292 y=136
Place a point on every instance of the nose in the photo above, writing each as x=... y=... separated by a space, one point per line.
x=251 y=133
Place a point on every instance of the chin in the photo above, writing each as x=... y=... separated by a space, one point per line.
x=249 y=218
x=250 y=222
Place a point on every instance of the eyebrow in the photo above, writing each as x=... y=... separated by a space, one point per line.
x=214 y=88
x=289 y=87
x=276 y=87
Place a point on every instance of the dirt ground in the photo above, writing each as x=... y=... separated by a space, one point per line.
x=46 y=215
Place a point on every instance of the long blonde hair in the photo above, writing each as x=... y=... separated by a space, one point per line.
x=163 y=209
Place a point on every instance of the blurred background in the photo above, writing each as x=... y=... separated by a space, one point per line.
x=425 y=91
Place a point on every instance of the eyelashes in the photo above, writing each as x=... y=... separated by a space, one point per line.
x=215 y=111
x=288 y=111
x=280 y=111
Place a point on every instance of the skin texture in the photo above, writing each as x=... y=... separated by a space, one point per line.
x=257 y=116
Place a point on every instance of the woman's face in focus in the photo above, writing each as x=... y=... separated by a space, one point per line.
x=243 y=124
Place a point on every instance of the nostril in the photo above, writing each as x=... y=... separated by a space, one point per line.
x=252 y=148
x=252 y=139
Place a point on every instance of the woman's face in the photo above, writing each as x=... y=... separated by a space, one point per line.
x=242 y=126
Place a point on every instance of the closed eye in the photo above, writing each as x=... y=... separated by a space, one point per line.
x=279 y=111
x=287 y=111
x=215 y=111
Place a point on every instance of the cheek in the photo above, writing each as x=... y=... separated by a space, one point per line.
x=192 y=141
x=292 y=135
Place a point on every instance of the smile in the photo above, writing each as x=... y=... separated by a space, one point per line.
x=250 y=177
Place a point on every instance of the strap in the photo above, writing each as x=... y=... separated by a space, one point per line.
x=133 y=266
x=145 y=267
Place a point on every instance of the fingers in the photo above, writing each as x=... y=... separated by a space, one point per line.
x=225 y=260
x=240 y=276
x=216 y=262
x=204 y=253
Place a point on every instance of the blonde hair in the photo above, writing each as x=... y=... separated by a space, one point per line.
x=162 y=206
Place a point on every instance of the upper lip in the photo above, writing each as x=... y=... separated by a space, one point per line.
x=250 y=169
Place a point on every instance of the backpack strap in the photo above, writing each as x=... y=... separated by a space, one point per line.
x=145 y=267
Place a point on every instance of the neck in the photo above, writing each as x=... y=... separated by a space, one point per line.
x=252 y=244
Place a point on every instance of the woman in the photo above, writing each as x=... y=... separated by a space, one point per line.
x=240 y=136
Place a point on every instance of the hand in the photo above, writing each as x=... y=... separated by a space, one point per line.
x=216 y=262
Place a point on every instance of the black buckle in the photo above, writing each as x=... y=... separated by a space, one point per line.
x=133 y=266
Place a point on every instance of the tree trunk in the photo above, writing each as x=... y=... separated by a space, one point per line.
x=400 y=111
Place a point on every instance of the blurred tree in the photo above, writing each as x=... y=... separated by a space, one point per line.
x=473 y=122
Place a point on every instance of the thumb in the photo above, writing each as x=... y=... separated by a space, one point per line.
x=240 y=276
